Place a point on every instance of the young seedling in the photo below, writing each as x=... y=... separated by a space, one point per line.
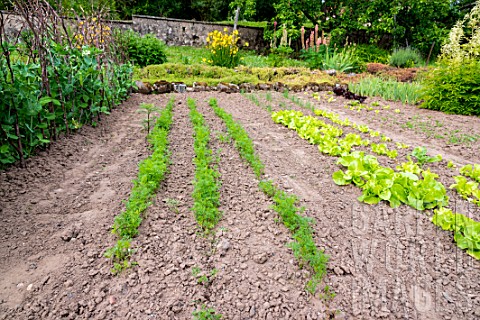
x=206 y=314
x=420 y=153
x=172 y=205
x=148 y=109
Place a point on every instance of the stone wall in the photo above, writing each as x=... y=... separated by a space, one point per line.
x=192 y=33
x=172 y=31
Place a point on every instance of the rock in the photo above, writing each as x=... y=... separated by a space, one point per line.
x=20 y=285
x=263 y=86
x=331 y=72
x=68 y=283
x=447 y=297
x=30 y=287
x=278 y=86
x=162 y=86
x=227 y=87
x=223 y=246
x=112 y=299
x=260 y=258
x=200 y=86
x=252 y=311
x=246 y=87
x=143 y=88
x=338 y=271
x=93 y=272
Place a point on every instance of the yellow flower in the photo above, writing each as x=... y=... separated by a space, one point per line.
x=246 y=44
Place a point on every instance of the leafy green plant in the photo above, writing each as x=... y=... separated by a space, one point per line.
x=420 y=153
x=120 y=255
x=382 y=183
x=471 y=171
x=405 y=58
x=466 y=189
x=205 y=313
x=382 y=149
x=466 y=231
x=243 y=143
x=206 y=195
x=144 y=50
x=148 y=109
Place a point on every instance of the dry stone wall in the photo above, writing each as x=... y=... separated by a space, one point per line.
x=172 y=31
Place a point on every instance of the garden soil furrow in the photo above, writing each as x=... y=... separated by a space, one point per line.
x=57 y=217
x=385 y=263
x=169 y=246
x=258 y=276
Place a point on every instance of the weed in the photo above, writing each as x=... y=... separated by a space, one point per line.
x=172 y=205
x=196 y=271
x=148 y=109
x=206 y=314
x=268 y=96
x=120 y=255
x=420 y=153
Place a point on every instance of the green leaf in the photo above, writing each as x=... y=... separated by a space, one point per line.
x=339 y=178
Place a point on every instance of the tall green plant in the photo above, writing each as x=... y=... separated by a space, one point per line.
x=453 y=87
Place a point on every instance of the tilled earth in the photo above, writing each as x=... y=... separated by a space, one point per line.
x=56 y=218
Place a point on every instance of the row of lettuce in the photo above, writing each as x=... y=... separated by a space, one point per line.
x=409 y=184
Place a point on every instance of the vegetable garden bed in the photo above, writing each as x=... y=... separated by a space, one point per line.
x=383 y=262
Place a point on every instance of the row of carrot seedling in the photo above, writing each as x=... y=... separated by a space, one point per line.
x=286 y=205
x=151 y=172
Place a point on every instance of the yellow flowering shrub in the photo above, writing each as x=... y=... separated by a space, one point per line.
x=223 y=48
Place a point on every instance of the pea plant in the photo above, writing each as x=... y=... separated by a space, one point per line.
x=54 y=79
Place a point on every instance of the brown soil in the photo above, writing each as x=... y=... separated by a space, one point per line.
x=385 y=263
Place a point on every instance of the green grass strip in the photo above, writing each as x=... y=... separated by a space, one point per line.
x=286 y=205
x=206 y=185
x=151 y=172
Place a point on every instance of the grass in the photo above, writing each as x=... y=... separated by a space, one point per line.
x=206 y=185
x=387 y=89
x=286 y=205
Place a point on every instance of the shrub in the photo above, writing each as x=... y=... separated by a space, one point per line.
x=405 y=58
x=144 y=50
x=370 y=53
x=453 y=88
